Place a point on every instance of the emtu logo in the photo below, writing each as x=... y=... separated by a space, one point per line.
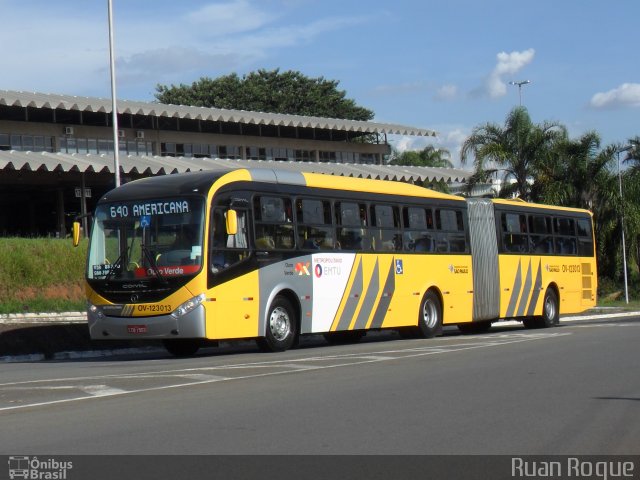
x=302 y=268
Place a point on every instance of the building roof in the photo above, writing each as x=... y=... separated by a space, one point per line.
x=156 y=165
x=92 y=104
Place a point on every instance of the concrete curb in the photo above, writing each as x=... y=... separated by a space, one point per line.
x=42 y=318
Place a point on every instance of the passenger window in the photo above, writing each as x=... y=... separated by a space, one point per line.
x=585 y=238
x=315 y=231
x=452 y=239
x=514 y=237
x=352 y=233
x=386 y=236
x=541 y=238
x=273 y=223
x=416 y=238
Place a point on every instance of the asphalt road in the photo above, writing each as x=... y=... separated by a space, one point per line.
x=574 y=389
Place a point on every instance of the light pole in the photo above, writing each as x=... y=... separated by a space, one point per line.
x=112 y=64
x=624 y=249
x=520 y=84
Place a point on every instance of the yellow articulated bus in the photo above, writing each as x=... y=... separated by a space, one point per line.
x=272 y=255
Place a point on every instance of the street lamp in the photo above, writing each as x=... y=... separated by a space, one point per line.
x=114 y=112
x=624 y=249
x=520 y=84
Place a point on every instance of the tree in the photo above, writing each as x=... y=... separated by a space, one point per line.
x=429 y=156
x=579 y=173
x=513 y=150
x=267 y=91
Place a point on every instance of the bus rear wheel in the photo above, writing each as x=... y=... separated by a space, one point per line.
x=182 y=347
x=550 y=312
x=430 y=315
x=281 y=330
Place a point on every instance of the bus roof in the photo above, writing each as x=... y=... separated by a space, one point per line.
x=201 y=181
x=516 y=202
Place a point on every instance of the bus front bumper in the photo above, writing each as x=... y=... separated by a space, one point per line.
x=189 y=325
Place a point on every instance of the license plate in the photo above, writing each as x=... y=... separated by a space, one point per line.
x=137 y=329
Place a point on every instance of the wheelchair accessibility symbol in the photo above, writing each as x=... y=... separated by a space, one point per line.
x=399 y=268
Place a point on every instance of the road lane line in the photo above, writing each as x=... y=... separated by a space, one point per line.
x=360 y=359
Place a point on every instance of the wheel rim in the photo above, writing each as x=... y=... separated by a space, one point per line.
x=280 y=324
x=550 y=308
x=430 y=314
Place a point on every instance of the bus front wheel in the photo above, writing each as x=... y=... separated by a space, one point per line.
x=430 y=316
x=281 y=330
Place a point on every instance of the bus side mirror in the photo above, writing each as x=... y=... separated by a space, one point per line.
x=76 y=234
x=232 y=222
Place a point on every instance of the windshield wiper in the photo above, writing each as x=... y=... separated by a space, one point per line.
x=152 y=262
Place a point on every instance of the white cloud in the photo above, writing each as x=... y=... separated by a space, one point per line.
x=446 y=92
x=508 y=64
x=232 y=17
x=626 y=95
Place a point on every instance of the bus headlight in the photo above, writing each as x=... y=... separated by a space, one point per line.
x=95 y=310
x=189 y=305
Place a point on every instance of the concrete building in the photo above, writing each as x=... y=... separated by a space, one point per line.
x=57 y=151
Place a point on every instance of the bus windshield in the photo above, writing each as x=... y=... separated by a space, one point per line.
x=159 y=238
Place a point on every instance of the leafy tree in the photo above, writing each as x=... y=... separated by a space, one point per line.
x=429 y=156
x=288 y=92
x=579 y=173
x=514 y=150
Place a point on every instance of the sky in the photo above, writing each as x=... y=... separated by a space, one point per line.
x=439 y=65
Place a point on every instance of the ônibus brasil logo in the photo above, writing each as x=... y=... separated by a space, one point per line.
x=38 y=469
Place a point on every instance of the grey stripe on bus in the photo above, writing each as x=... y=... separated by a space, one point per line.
x=383 y=306
x=525 y=292
x=352 y=300
x=271 y=176
x=369 y=300
x=515 y=293
x=536 y=290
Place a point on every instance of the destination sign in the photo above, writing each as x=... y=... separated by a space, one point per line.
x=149 y=208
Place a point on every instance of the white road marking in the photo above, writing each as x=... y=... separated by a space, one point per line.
x=284 y=367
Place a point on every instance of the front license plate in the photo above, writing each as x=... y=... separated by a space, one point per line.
x=137 y=329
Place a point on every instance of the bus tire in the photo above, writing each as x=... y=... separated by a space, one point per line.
x=430 y=315
x=550 y=309
x=550 y=312
x=281 y=330
x=182 y=347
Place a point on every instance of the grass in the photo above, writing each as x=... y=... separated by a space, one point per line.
x=41 y=275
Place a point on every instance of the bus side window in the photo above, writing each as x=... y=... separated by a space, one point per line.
x=315 y=231
x=514 y=229
x=565 y=236
x=273 y=223
x=352 y=223
x=541 y=238
x=386 y=234
x=451 y=237
x=585 y=238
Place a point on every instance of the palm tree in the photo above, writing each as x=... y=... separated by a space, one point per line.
x=574 y=173
x=514 y=150
x=429 y=156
